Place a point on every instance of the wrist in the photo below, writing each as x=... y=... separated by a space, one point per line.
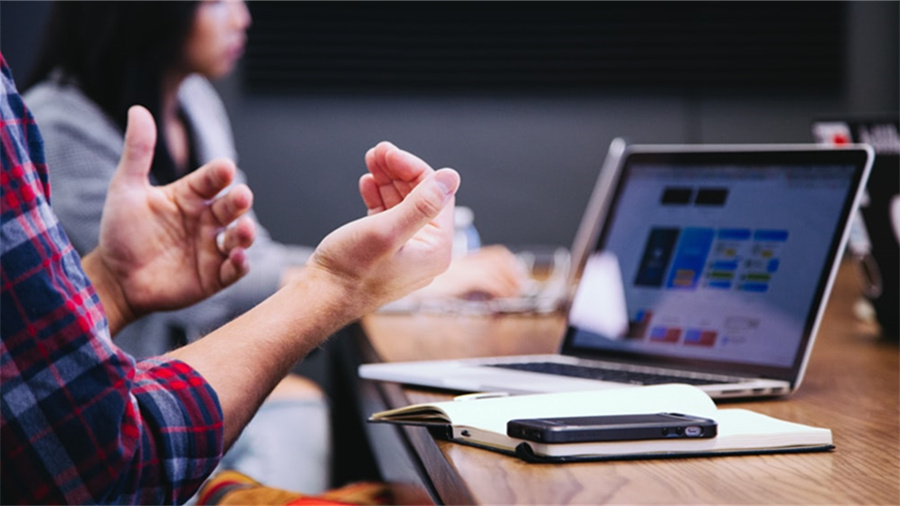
x=112 y=297
x=342 y=299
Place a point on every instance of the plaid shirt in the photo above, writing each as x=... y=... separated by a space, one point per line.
x=82 y=422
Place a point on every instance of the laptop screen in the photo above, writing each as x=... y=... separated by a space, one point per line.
x=717 y=258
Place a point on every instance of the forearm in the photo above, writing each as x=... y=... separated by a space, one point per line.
x=245 y=359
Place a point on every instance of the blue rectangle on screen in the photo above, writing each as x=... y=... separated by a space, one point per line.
x=657 y=253
x=690 y=258
x=725 y=265
x=771 y=235
x=755 y=287
x=734 y=234
x=657 y=332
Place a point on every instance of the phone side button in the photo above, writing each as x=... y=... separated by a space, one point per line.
x=693 y=431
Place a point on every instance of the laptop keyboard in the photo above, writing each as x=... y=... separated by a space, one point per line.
x=614 y=375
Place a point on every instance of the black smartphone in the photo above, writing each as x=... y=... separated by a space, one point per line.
x=581 y=429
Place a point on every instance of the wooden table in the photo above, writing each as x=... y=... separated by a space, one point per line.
x=851 y=387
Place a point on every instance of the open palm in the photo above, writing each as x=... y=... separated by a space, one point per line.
x=159 y=243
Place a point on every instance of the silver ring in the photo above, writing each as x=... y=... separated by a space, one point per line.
x=220 y=242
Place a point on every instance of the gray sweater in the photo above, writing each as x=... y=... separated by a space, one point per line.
x=83 y=147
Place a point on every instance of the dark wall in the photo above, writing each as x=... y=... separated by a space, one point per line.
x=528 y=160
x=20 y=32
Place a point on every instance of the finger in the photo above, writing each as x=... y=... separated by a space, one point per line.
x=488 y=274
x=140 y=139
x=207 y=181
x=232 y=205
x=395 y=171
x=404 y=166
x=240 y=235
x=510 y=285
x=375 y=161
x=368 y=189
x=390 y=164
x=423 y=205
x=390 y=195
x=234 y=267
x=505 y=263
x=383 y=182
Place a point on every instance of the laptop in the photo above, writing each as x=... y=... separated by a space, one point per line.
x=706 y=265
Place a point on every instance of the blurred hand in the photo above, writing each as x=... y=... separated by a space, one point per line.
x=158 y=245
x=406 y=239
x=487 y=273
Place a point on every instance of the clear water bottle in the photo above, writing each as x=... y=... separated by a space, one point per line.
x=465 y=235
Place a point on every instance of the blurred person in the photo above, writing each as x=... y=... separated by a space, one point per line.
x=82 y=421
x=99 y=58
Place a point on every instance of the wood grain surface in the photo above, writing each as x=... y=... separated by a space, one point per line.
x=852 y=386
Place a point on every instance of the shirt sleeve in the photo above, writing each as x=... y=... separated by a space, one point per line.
x=80 y=420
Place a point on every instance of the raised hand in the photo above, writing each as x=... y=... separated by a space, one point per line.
x=406 y=239
x=403 y=243
x=491 y=272
x=158 y=245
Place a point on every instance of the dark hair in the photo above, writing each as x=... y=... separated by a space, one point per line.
x=117 y=53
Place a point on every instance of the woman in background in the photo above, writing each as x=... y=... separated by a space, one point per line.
x=98 y=59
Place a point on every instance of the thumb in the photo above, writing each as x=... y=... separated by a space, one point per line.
x=425 y=203
x=140 y=140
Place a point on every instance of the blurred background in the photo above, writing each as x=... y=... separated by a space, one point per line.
x=521 y=98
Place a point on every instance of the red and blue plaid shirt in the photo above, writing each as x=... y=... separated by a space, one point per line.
x=82 y=422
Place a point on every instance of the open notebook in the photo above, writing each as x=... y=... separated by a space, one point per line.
x=483 y=422
x=706 y=265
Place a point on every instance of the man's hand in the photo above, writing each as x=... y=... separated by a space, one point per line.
x=493 y=271
x=158 y=245
x=404 y=242
x=406 y=239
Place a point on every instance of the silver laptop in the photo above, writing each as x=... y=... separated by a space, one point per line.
x=706 y=265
